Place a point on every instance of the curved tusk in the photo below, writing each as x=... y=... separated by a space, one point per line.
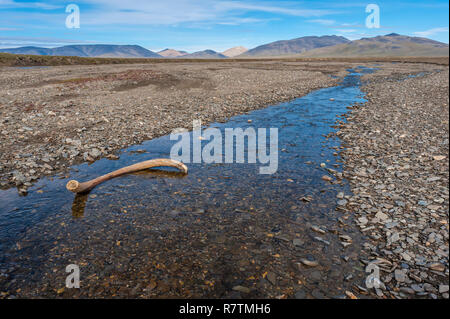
x=77 y=187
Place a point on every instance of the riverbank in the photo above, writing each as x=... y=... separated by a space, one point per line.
x=396 y=159
x=55 y=117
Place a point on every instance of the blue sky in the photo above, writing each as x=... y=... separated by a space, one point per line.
x=194 y=25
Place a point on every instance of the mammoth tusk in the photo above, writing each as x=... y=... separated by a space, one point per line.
x=77 y=187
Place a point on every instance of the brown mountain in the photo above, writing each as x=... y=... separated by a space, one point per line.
x=387 y=45
x=171 y=53
x=295 y=46
x=206 y=54
x=232 y=52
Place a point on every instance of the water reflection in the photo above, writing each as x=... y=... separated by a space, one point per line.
x=79 y=205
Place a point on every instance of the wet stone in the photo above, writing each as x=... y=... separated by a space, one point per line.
x=300 y=294
x=241 y=289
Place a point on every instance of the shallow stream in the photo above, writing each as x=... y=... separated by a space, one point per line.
x=224 y=230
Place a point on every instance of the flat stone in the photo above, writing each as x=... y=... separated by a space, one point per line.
x=417 y=288
x=391 y=225
x=342 y=202
x=317 y=229
x=400 y=275
x=443 y=289
x=322 y=240
x=301 y=294
x=309 y=263
x=393 y=238
x=316 y=275
x=241 y=289
x=428 y=287
x=381 y=216
x=437 y=267
x=422 y=203
x=434 y=207
x=297 y=242
x=95 y=153
x=271 y=277
x=345 y=238
x=363 y=220
x=407 y=290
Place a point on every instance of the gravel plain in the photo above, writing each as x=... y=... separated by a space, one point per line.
x=395 y=146
x=396 y=156
x=53 y=117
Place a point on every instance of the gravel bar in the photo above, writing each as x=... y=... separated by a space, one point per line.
x=58 y=116
x=396 y=158
x=54 y=117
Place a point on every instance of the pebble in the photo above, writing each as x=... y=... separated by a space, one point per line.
x=300 y=294
x=443 y=289
x=241 y=289
x=322 y=240
x=407 y=290
x=342 y=202
x=297 y=242
x=400 y=275
x=271 y=277
x=309 y=263
x=317 y=229
x=437 y=267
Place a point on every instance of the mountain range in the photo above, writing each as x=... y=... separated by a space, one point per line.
x=171 y=53
x=206 y=54
x=311 y=46
x=392 y=44
x=89 y=50
x=294 y=46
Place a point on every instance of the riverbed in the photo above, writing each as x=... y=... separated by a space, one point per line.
x=224 y=230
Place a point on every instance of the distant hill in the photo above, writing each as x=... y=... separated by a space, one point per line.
x=295 y=46
x=90 y=50
x=387 y=45
x=171 y=53
x=28 y=50
x=207 y=54
x=231 y=53
x=312 y=46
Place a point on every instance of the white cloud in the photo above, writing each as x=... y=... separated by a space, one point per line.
x=37 y=5
x=293 y=11
x=238 y=21
x=429 y=32
x=346 y=30
x=323 y=21
x=170 y=12
x=14 y=42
